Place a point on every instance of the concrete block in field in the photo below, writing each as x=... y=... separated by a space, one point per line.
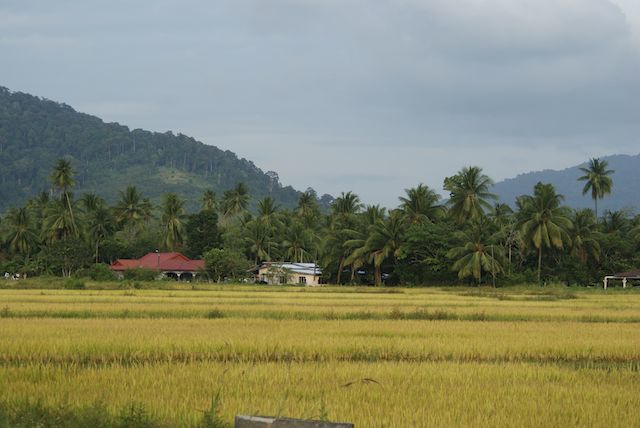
x=273 y=422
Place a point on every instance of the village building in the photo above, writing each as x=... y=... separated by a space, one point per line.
x=288 y=273
x=622 y=276
x=168 y=265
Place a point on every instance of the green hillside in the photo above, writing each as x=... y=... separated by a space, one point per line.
x=35 y=132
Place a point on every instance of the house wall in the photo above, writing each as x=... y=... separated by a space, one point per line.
x=271 y=277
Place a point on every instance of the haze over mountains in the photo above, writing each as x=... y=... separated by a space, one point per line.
x=35 y=132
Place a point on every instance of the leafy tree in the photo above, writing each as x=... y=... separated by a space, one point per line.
x=202 y=233
x=597 y=180
x=67 y=255
x=226 y=264
x=469 y=194
x=544 y=222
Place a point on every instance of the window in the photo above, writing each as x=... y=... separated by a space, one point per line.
x=302 y=280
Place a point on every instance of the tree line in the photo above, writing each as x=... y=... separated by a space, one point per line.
x=470 y=237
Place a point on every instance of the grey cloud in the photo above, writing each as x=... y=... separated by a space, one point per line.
x=358 y=76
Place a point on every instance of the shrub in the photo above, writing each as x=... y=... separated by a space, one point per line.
x=215 y=313
x=100 y=272
x=140 y=274
x=74 y=284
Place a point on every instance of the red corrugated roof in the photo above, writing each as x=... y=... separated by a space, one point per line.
x=160 y=261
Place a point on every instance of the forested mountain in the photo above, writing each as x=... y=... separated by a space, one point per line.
x=35 y=133
x=626 y=182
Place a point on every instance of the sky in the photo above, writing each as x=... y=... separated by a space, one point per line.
x=371 y=96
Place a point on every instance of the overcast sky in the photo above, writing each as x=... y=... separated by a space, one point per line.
x=371 y=96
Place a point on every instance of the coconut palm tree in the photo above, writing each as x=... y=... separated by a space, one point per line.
x=584 y=234
x=131 y=210
x=346 y=204
x=469 y=194
x=62 y=178
x=259 y=240
x=173 y=221
x=297 y=242
x=385 y=240
x=544 y=222
x=208 y=200
x=268 y=211
x=307 y=204
x=476 y=254
x=91 y=202
x=597 y=180
x=58 y=223
x=373 y=213
x=235 y=201
x=21 y=237
x=100 y=225
x=421 y=205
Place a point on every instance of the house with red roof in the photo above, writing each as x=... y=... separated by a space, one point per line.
x=172 y=265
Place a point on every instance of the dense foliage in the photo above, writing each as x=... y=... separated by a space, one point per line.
x=468 y=239
x=35 y=133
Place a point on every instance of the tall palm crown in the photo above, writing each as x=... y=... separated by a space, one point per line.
x=385 y=240
x=62 y=178
x=297 y=242
x=584 y=243
x=208 y=200
x=21 y=237
x=469 y=194
x=173 y=221
x=131 y=208
x=597 y=180
x=476 y=254
x=544 y=222
x=100 y=225
x=346 y=204
x=421 y=204
x=307 y=204
x=235 y=200
x=268 y=211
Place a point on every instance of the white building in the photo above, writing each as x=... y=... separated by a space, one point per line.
x=289 y=273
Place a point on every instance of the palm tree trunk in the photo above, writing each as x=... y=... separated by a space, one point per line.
x=73 y=221
x=539 y=262
x=596 y=211
x=340 y=267
x=378 y=276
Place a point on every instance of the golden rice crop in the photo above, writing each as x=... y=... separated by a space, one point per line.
x=565 y=359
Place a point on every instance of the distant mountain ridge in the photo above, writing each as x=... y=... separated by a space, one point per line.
x=107 y=157
x=625 y=194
